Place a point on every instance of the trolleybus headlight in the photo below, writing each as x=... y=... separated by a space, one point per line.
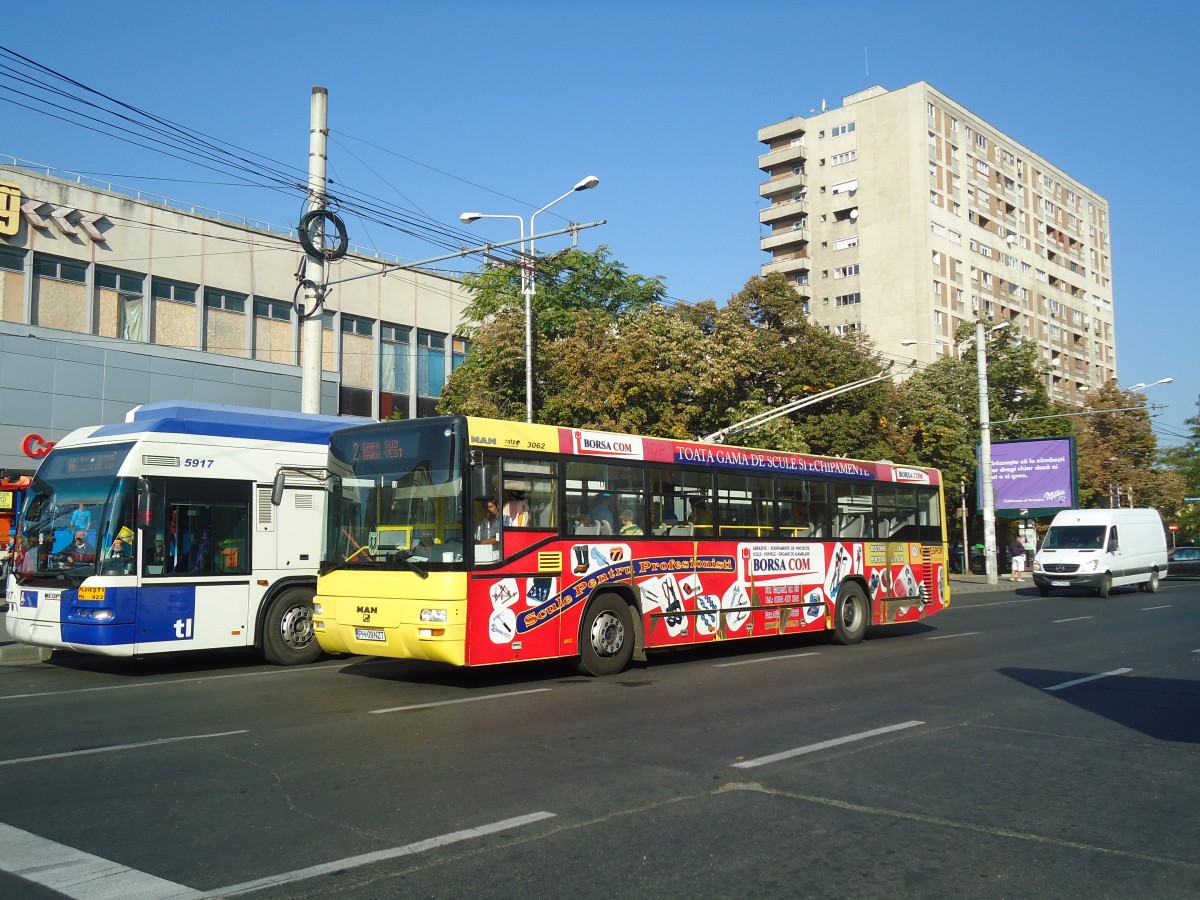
x=318 y=609
x=433 y=615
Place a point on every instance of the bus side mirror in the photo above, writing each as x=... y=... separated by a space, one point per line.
x=277 y=489
x=483 y=482
x=145 y=505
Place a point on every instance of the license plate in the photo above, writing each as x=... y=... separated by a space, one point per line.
x=370 y=634
x=1060 y=584
x=91 y=593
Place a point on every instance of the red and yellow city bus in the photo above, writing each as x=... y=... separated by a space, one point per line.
x=605 y=546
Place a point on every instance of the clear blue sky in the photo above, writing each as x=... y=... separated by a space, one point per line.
x=441 y=107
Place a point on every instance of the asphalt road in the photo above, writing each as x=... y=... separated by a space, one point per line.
x=1012 y=746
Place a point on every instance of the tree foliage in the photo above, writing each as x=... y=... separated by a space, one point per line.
x=1184 y=462
x=1117 y=453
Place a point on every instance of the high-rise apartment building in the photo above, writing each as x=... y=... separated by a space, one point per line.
x=903 y=214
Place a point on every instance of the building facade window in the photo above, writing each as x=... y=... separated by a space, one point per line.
x=839 y=159
x=174 y=291
x=214 y=298
x=848 y=299
x=12 y=260
x=846 y=271
x=844 y=128
x=120 y=303
x=59 y=296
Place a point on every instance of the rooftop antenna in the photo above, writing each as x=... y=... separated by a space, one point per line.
x=867 y=64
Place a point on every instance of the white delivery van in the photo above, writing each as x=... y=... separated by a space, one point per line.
x=1102 y=549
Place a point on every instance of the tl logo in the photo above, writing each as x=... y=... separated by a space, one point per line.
x=184 y=628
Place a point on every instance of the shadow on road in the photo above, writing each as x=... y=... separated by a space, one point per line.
x=1166 y=709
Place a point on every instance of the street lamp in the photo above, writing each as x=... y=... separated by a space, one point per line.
x=528 y=283
x=1141 y=386
x=987 y=501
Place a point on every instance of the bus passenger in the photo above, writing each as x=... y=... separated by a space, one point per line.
x=628 y=526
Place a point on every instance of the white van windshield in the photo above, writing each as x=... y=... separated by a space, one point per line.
x=1075 y=537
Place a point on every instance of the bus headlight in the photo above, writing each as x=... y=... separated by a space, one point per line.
x=102 y=615
x=318 y=609
x=433 y=615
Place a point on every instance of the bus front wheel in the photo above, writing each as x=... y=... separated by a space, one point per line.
x=852 y=614
x=605 y=636
x=288 y=638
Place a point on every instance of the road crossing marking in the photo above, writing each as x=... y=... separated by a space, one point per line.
x=114 y=747
x=366 y=859
x=824 y=745
x=79 y=875
x=460 y=700
x=748 y=662
x=1067 y=684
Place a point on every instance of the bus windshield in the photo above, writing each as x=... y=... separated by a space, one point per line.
x=395 y=496
x=75 y=510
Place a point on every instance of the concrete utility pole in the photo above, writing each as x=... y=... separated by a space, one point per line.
x=314 y=289
x=987 y=500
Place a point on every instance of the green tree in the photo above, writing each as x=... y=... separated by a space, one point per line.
x=1117 y=453
x=776 y=355
x=571 y=287
x=1184 y=461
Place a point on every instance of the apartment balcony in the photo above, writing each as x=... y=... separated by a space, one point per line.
x=787 y=209
x=788 y=238
x=782 y=157
x=786 y=265
x=794 y=125
x=785 y=184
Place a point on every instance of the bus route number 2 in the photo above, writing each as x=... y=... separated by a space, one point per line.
x=192 y=463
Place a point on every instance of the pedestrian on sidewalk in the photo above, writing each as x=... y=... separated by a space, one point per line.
x=1017 y=550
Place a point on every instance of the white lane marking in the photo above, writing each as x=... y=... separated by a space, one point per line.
x=79 y=875
x=453 y=702
x=114 y=747
x=1152 y=608
x=1067 y=684
x=1076 y=619
x=996 y=602
x=750 y=662
x=942 y=637
x=366 y=859
x=824 y=745
x=289 y=670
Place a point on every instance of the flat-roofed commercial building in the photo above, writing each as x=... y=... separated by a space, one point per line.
x=110 y=297
x=903 y=214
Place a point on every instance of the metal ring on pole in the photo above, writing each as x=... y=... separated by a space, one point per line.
x=319 y=293
x=329 y=254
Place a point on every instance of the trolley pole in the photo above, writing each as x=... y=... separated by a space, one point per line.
x=314 y=289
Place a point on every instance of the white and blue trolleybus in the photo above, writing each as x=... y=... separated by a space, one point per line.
x=189 y=526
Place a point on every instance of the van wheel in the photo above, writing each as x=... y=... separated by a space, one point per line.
x=288 y=638
x=1151 y=586
x=1105 y=587
x=605 y=636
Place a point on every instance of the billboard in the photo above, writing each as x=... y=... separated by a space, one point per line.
x=1032 y=478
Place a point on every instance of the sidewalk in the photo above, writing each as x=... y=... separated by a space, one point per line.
x=971 y=583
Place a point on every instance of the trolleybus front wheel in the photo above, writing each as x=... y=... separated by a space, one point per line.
x=606 y=636
x=288 y=638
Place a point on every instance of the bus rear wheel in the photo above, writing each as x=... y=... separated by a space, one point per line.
x=605 y=636
x=288 y=638
x=852 y=614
